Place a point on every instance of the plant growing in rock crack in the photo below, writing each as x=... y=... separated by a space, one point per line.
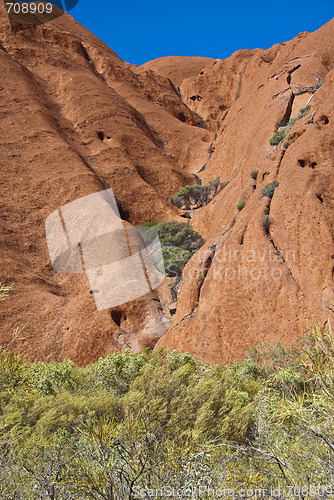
x=241 y=204
x=178 y=241
x=197 y=194
x=268 y=190
x=254 y=174
x=288 y=143
x=279 y=136
x=266 y=223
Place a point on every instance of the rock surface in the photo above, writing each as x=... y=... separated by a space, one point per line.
x=76 y=119
x=256 y=286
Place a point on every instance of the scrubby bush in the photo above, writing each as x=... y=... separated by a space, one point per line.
x=269 y=189
x=179 y=242
x=254 y=174
x=197 y=194
x=241 y=204
x=133 y=423
x=279 y=136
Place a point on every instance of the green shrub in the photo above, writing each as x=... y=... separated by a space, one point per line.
x=277 y=138
x=241 y=204
x=175 y=259
x=309 y=122
x=304 y=111
x=179 y=242
x=269 y=189
x=189 y=190
x=197 y=194
x=254 y=174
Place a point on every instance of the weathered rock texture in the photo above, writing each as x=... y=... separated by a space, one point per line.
x=246 y=286
x=76 y=119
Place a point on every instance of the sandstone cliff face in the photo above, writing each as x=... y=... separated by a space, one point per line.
x=248 y=285
x=76 y=119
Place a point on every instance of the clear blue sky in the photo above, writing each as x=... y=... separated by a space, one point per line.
x=139 y=31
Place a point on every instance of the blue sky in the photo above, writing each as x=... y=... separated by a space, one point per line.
x=139 y=31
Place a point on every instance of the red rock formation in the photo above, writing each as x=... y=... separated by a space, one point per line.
x=76 y=119
x=261 y=286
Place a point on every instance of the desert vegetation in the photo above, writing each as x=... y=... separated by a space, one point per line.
x=131 y=423
x=179 y=242
x=268 y=190
x=266 y=222
x=254 y=174
x=241 y=204
x=278 y=137
x=197 y=195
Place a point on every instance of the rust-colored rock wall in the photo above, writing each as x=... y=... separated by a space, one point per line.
x=256 y=285
x=76 y=119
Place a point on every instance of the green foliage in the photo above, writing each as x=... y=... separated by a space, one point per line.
x=179 y=242
x=254 y=174
x=117 y=371
x=159 y=419
x=189 y=191
x=241 y=204
x=175 y=259
x=269 y=189
x=197 y=194
x=279 y=136
x=304 y=111
x=132 y=419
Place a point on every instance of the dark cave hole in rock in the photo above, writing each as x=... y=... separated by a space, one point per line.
x=195 y=98
x=313 y=165
x=323 y=120
x=100 y=135
x=320 y=198
x=118 y=316
x=301 y=163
